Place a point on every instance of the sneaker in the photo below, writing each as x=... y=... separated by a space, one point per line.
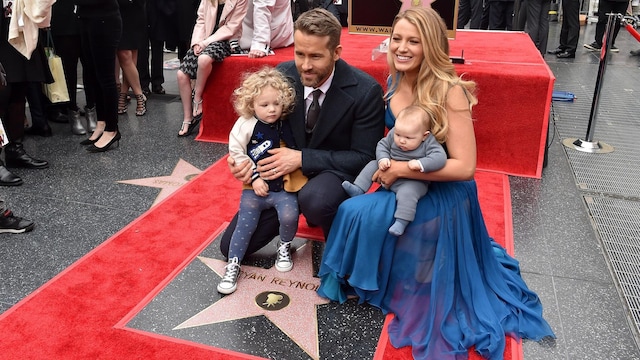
x=10 y=223
x=283 y=259
x=229 y=281
x=614 y=49
x=594 y=46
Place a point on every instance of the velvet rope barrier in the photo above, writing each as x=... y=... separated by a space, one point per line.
x=632 y=31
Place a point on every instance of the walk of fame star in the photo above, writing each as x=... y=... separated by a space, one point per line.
x=182 y=173
x=265 y=292
x=410 y=3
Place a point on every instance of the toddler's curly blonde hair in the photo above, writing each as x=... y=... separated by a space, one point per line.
x=252 y=85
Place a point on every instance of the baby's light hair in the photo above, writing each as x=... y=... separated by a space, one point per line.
x=252 y=85
x=424 y=114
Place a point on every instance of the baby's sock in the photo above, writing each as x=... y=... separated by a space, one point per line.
x=351 y=189
x=398 y=227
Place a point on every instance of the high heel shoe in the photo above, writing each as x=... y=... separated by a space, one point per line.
x=196 y=107
x=141 y=105
x=94 y=149
x=89 y=141
x=122 y=103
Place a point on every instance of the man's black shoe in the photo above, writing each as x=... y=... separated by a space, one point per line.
x=16 y=156
x=158 y=89
x=566 y=55
x=635 y=52
x=555 y=51
x=39 y=131
x=59 y=117
x=10 y=223
x=7 y=178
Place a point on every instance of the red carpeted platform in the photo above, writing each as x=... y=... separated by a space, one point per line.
x=514 y=92
x=79 y=313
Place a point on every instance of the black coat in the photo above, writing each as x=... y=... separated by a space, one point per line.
x=172 y=20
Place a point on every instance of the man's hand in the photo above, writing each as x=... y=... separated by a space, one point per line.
x=281 y=162
x=240 y=171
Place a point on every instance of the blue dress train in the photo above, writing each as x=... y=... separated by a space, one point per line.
x=448 y=283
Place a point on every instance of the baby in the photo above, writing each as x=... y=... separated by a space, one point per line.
x=410 y=141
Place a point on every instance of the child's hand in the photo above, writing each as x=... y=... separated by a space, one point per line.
x=414 y=165
x=384 y=164
x=260 y=187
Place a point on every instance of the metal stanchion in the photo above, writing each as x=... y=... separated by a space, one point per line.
x=588 y=144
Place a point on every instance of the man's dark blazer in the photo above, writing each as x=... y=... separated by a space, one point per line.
x=349 y=125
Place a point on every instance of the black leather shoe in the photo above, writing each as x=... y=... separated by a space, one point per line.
x=41 y=131
x=7 y=178
x=566 y=55
x=635 y=52
x=158 y=89
x=555 y=51
x=17 y=157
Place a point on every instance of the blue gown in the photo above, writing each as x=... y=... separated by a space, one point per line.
x=449 y=285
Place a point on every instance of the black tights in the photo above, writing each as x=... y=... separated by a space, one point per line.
x=69 y=48
x=100 y=38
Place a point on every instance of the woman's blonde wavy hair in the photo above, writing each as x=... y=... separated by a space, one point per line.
x=437 y=74
x=252 y=85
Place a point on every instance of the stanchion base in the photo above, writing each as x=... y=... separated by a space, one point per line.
x=587 y=146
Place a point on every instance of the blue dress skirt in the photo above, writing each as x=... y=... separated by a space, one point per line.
x=448 y=283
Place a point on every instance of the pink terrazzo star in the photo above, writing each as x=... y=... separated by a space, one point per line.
x=182 y=173
x=410 y=3
x=266 y=292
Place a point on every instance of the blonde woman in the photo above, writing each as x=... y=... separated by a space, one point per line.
x=449 y=285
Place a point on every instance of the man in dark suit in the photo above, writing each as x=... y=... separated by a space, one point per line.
x=333 y=149
x=570 y=30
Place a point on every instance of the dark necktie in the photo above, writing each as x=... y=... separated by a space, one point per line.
x=313 y=111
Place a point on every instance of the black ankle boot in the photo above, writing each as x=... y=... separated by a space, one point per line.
x=7 y=178
x=92 y=118
x=16 y=156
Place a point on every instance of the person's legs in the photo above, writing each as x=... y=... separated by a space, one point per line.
x=476 y=14
x=157 y=71
x=267 y=229
x=142 y=64
x=15 y=155
x=187 y=72
x=131 y=79
x=604 y=7
x=464 y=13
x=102 y=43
x=570 y=30
x=617 y=8
x=205 y=64
x=319 y=199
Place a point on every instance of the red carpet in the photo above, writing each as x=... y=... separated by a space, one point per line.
x=75 y=315
x=514 y=93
